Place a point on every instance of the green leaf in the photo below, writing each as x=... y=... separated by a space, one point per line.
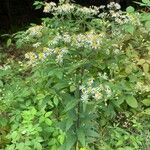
x=48 y=121
x=146 y=17
x=8 y=42
x=141 y=61
x=1 y=83
x=128 y=69
x=119 y=101
x=92 y=133
x=81 y=136
x=147 y=25
x=146 y=67
x=70 y=141
x=61 y=139
x=52 y=141
x=131 y=101
x=11 y=147
x=130 y=9
x=38 y=4
x=54 y=147
x=71 y=104
x=56 y=100
x=129 y=28
x=48 y=114
x=146 y=102
x=3 y=121
x=40 y=96
x=61 y=85
x=56 y=72
x=146 y=1
x=59 y=74
x=75 y=66
x=69 y=123
x=37 y=146
x=147 y=111
x=72 y=88
x=20 y=145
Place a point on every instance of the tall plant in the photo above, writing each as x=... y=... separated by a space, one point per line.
x=84 y=80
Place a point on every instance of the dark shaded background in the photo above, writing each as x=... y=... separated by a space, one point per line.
x=20 y=13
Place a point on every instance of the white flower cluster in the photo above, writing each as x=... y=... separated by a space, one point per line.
x=108 y=91
x=89 y=91
x=113 y=5
x=36 y=45
x=32 y=57
x=35 y=31
x=103 y=76
x=58 y=52
x=55 y=40
x=49 y=7
x=67 y=8
x=115 y=14
x=61 y=9
x=96 y=92
x=90 y=40
x=88 y=11
x=102 y=6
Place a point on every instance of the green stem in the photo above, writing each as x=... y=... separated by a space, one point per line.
x=78 y=96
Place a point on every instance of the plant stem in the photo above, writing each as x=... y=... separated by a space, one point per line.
x=78 y=96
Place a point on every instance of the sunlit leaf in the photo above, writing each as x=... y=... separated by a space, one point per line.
x=131 y=101
x=146 y=102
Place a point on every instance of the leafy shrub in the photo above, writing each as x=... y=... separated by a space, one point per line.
x=86 y=84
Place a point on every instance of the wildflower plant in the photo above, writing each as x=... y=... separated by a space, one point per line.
x=87 y=67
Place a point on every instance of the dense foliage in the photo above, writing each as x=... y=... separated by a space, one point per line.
x=84 y=82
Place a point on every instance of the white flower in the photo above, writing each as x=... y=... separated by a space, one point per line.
x=97 y=95
x=140 y=86
x=116 y=51
x=103 y=76
x=59 y=58
x=102 y=7
x=85 y=97
x=118 y=20
x=108 y=91
x=90 y=81
x=113 y=5
x=48 y=51
x=49 y=7
x=117 y=6
x=88 y=11
x=82 y=88
x=65 y=8
x=102 y=15
x=67 y=38
x=64 y=50
x=36 y=44
x=31 y=56
x=55 y=40
x=35 y=31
